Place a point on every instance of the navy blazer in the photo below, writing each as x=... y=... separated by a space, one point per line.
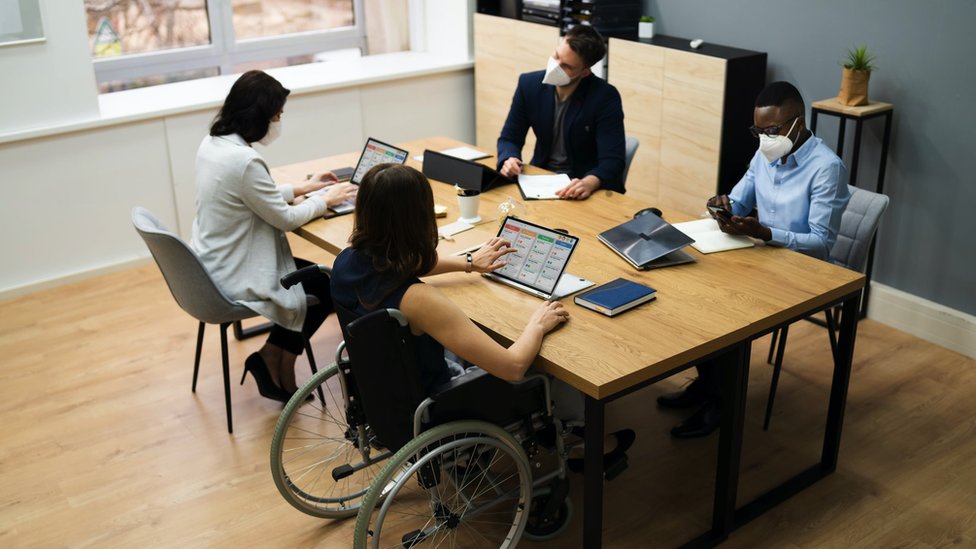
x=594 y=127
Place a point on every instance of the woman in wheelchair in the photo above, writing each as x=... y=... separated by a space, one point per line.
x=240 y=221
x=394 y=241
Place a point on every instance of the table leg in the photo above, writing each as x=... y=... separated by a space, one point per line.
x=593 y=474
x=814 y=113
x=840 y=383
x=840 y=136
x=879 y=189
x=856 y=153
x=735 y=377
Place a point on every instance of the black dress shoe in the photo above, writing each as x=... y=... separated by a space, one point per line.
x=692 y=395
x=701 y=423
x=625 y=439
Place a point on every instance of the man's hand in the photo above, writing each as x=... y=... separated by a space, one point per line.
x=722 y=201
x=579 y=189
x=512 y=167
x=748 y=226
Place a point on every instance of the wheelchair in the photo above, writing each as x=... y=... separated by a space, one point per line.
x=479 y=462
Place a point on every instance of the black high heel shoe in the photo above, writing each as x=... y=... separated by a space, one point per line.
x=266 y=386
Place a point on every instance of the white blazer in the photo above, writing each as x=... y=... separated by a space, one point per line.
x=239 y=228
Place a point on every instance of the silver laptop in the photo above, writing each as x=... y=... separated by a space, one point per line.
x=538 y=264
x=375 y=152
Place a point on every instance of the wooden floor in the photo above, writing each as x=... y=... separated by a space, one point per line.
x=104 y=445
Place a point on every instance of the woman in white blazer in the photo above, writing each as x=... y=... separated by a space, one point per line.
x=240 y=224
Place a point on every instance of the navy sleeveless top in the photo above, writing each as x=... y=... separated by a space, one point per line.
x=355 y=281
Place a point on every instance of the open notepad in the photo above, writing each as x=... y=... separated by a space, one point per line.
x=709 y=238
x=542 y=187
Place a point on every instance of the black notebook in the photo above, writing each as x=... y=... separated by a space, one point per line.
x=615 y=296
x=647 y=242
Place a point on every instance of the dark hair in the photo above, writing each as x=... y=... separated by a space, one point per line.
x=395 y=222
x=783 y=95
x=253 y=101
x=587 y=43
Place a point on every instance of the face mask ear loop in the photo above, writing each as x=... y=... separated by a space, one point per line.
x=793 y=125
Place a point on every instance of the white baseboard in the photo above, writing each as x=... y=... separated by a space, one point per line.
x=922 y=318
x=18 y=291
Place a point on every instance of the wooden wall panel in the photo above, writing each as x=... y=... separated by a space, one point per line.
x=504 y=49
x=691 y=130
x=637 y=71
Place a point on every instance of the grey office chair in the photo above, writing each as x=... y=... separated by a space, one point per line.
x=195 y=292
x=857 y=227
x=630 y=149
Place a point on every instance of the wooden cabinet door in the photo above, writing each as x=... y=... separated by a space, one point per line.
x=637 y=71
x=504 y=49
x=691 y=130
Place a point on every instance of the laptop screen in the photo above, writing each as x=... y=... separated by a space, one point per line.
x=377 y=152
x=540 y=255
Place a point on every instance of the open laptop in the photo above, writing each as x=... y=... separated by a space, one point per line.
x=538 y=264
x=374 y=152
x=463 y=173
x=648 y=242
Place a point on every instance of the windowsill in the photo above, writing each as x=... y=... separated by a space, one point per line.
x=208 y=93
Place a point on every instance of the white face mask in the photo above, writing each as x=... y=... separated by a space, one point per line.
x=776 y=146
x=555 y=75
x=274 y=131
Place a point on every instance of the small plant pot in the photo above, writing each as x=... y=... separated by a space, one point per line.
x=645 y=30
x=853 y=87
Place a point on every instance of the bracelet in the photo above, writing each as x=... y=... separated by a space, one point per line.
x=470 y=260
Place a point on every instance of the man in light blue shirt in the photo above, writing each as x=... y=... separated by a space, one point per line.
x=798 y=189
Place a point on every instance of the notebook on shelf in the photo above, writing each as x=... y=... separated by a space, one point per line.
x=708 y=238
x=538 y=264
x=648 y=242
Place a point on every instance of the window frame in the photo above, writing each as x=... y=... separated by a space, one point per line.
x=225 y=51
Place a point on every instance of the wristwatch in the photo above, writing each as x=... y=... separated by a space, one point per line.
x=470 y=260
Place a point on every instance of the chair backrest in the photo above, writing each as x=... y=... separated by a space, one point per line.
x=187 y=278
x=630 y=149
x=384 y=370
x=857 y=227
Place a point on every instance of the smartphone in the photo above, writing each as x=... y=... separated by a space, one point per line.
x=719 y=210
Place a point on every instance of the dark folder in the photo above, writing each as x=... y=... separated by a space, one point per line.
x=647 y=242
x=463 y=173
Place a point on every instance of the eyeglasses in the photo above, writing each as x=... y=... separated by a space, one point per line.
x=769 y=131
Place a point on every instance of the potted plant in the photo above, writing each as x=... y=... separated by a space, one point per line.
x=854 y=81
x=645 y=27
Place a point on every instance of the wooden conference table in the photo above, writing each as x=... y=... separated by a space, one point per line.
x=713 y=308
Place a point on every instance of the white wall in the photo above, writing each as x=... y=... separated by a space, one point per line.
x=52 y=82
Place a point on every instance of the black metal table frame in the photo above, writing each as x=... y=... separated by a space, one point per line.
x=855 y=157
x=734 y=360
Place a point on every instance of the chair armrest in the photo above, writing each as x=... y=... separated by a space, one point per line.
x=303 y=274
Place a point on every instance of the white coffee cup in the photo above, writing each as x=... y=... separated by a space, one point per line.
x=469 y=207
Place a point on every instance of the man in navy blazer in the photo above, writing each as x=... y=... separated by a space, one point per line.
x=577 y=118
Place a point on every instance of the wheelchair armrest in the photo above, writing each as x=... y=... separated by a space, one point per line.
x=476 y=394
x=303 y=274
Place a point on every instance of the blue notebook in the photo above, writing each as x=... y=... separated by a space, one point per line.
x=615 y=296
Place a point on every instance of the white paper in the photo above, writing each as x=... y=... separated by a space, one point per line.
x=570 y=284
x=542 y=187
x=465 y=153
x=709 y=238
x=452 y=229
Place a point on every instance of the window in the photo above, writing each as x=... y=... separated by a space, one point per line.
x=137 y=43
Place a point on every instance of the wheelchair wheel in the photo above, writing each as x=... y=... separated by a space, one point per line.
x=323 y=464
x=468 y=484
x=542 y=527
